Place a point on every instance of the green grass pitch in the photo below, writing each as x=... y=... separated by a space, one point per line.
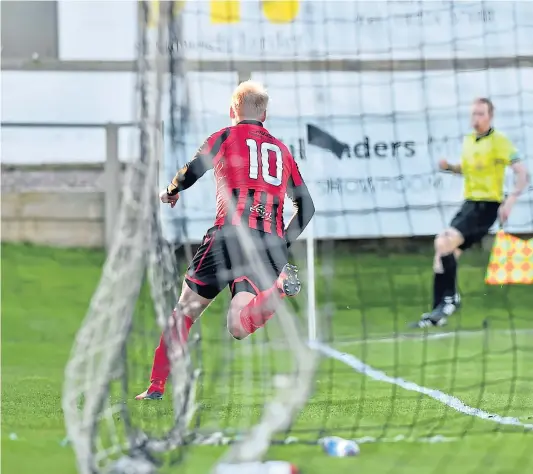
x=45 y=293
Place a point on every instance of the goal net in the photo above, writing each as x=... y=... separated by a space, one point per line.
x=269 y=378
x=368 y=96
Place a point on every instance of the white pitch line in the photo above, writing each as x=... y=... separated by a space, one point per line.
x=429 y=337
x=446 y=399
x=400 y=438
x=345 y=342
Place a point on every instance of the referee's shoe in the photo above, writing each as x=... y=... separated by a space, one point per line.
x=439 y=315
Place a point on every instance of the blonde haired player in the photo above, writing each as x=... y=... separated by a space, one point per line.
x=253 y=172
x=485 y=156
x=249 y=102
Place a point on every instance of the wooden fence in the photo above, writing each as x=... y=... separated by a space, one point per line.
x=65 y=216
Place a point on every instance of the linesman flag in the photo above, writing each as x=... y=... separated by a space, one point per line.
x=511 y=261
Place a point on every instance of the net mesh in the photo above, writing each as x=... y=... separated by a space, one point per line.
x=138 y=296
x=368 y=96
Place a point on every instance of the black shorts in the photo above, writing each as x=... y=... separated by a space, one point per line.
x=221 y=261
x=474 y=220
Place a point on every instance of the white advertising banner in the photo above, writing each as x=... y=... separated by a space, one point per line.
x=368 y=146
x=308 y=29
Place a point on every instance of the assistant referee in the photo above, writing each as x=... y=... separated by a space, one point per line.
x=485 y=155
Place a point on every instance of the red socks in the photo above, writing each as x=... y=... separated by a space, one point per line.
x=258 y=311
x=161 y=364
x=253 y=316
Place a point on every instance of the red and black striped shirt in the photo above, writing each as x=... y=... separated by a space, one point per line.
x=253 y=171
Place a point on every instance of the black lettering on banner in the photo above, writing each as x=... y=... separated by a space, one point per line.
x=364 y=149
x=379 y=147
x=335 y=185
x=395 y=146
x=410 y=147
x=418 y=184
x=368 y=149
x=321 y=139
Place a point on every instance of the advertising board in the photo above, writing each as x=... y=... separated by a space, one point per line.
x=368 y=145
x=307 y=29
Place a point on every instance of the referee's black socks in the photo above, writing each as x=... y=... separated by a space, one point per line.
x=449 y=277
x=444 y=284
x=438 y=289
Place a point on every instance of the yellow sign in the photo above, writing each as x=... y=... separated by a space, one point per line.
x=511 y=261
x=223 y=12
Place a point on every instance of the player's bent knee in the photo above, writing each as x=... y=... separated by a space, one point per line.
x=235 y=327
x=237 y=333
x=238 y=303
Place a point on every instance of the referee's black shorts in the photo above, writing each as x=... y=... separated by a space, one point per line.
x=223 y=260
x=474 y=220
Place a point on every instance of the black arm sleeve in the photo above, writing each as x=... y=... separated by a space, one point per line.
x=303 y=203
x=188 y=175
x=201 y=162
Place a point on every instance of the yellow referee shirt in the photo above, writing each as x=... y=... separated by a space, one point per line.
x=483 y=161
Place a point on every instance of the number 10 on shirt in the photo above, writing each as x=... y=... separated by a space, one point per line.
x=266 y=157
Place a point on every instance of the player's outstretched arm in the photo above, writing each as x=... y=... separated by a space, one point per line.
x=200 y=163
x=445 y=166
x=511 y=156
x=303 y=205
x=521 y=182
x=521 y=176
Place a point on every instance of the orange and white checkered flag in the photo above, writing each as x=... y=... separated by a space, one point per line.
x=511 y=261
